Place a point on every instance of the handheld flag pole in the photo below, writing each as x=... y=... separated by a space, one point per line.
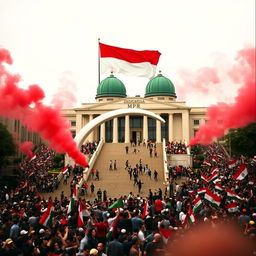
x=99 y=60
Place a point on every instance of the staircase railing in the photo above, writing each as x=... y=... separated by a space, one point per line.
x=166 y=172
x=92 y=161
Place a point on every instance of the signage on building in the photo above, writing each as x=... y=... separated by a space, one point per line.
x=133 y=103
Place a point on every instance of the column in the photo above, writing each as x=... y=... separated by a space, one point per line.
x=185 y=126
x=158 y=131
x=170 y=127
x=127 y=129
x=145 y=128
x=102 y=132
x=91 y=136
x=115 y=130
x=78 y=122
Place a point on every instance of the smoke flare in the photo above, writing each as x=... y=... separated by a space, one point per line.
x=26 y=148
x=16 y=103
x=222 y=116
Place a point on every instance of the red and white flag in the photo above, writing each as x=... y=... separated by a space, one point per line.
x=127 y=61
x=233 y=163
x=47 y=216
x=64 y=170
x=241 y=173
x=145 y=210
x=80 y=221
x=166 y=234
x=218 y=187
x=207 y=162
x=232 y=207
x=233 y=195
x=212 y=198
x=215 y=169
x=213 y=177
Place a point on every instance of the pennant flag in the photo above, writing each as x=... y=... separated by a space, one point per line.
x=233 y=195
x=80 y=221
x=145 y=210
x=212 y=198
x=201 y=191
x=197 y=204
x=218 y=187
x=127 y=61
x=117 y=204
x=72 y=201
x=207 y=162
x=46 y=219
x=166 y=234
x=233 y=163
x=232 y=207
x=241 y=173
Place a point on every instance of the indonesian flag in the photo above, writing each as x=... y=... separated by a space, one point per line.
x=64 y=170
x=212 y=198
x=233 y=195
x=197 y=204
x=80 y=221
x=213 y=177
x=233 y=163
x=127 y=61
x=166 y=233
x=47 y=216
x=145 y=210
x=241 y=173
x=207 y=162
x=232 y=207
x=72 y=201
x=218 y=187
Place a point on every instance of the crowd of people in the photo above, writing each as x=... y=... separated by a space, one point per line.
x=89 y=147
x=175 y=147
x=157 y=225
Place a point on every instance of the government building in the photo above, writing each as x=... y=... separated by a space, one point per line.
x=181 y=121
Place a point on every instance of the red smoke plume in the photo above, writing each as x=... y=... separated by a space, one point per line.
x=16 y=103
x=26 y=148
x=242 y=112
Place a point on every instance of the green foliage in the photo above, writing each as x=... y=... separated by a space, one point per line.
x=242 y=141
x=7 y=145
x=200 y=157
x=58 y=161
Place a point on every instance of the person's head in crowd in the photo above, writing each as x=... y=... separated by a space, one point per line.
x=92 y=232
x=93 y=252
x=100 y=248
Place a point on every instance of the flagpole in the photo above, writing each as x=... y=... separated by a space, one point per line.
x=99 y=60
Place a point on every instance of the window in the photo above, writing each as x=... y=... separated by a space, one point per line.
x=195 y=131
x=109 y=99
x=160 y=98
x=73 y=123
x=196 y=122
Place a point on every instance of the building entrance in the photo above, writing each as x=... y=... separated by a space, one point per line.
x=136 y=135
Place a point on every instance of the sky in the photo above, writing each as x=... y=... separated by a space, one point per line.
x=55 y=44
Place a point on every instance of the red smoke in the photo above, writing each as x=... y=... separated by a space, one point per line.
x=26 y=148
x=26 y=106
x=242 y=112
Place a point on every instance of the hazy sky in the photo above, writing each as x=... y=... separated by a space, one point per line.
x=54 y=43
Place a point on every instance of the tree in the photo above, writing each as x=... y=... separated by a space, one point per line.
x=242 y=141
x=7 y=145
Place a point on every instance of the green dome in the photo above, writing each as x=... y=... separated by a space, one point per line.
x=111 y=87
x=160 y=85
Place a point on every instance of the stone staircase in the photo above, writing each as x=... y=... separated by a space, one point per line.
x=117 y=182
